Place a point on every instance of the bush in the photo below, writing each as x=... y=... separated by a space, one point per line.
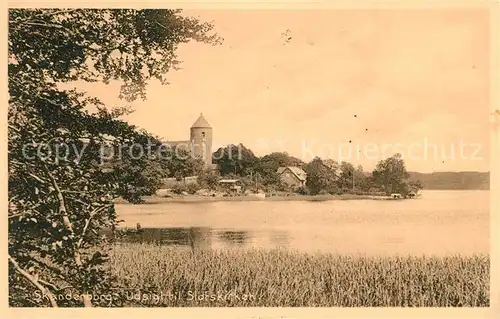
x=179 y=189
x=192 y=188
x=303 y=190
x=333 y=190
x=209 y=179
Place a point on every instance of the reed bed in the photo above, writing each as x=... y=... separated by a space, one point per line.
x=159 y=276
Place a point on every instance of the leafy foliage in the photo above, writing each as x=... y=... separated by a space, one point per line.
x=320 y=177
x=324 y=176
x=235 y=159
x=268 y=165
x=345 y=179
x=391 y=175
x=208 y=179
x=180 y=164
x=60 y=193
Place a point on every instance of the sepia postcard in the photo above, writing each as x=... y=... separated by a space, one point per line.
x=298 y=158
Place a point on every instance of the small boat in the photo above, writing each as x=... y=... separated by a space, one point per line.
x=413 y=195
x=396 y=196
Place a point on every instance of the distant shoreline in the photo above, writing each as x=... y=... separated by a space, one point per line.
x=155 y=199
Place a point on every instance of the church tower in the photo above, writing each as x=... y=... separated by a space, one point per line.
x=201 y=137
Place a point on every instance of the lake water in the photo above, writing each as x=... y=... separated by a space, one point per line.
x=438 y=223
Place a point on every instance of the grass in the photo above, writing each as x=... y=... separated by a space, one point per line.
x=175 y=277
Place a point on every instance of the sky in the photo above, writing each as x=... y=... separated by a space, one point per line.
x=353 y=85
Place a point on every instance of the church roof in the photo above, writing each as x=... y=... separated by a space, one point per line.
x=201 y=122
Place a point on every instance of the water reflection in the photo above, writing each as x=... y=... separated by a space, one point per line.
x=433 y=225
x=279 y=239
x=233 y=237
x=200 y=237
x=204 y=237
x=194 y=237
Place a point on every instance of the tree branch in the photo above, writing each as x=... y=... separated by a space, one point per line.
x=62 y=204
x=87 y=223
x=44 y=14
x=43 y=264
x=46 y=283
x=59 y=12
x=15 y=215
x=37 y=178
x=68 y=225
x=34 y=281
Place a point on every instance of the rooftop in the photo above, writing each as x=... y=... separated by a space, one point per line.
x=297 y=171
x=201 y=122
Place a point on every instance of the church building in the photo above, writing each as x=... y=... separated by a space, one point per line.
x=200 y=143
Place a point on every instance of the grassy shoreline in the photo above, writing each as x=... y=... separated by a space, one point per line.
x=286 y=278
x=155 y=199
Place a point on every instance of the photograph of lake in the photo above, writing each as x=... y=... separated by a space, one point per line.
x=440 y=223
x=235 y=157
